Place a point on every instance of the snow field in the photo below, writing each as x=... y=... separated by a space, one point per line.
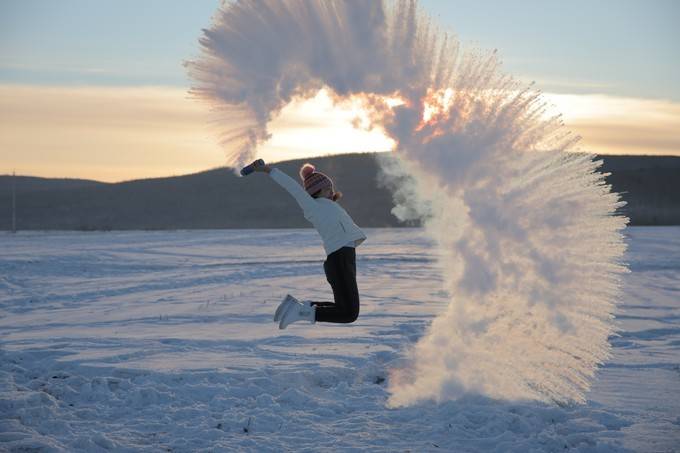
x=163 y=341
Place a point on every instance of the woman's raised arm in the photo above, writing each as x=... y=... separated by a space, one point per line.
x=305 y=200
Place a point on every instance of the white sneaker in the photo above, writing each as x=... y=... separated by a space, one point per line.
x=298 y=312
x=283 y=306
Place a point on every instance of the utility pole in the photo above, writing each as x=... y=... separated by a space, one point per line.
x=14 y=202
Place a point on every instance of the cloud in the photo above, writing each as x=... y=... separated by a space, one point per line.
x=517 y=325
x=106 y=133
x=566 y=84
x=116 y=133
x=622 y=125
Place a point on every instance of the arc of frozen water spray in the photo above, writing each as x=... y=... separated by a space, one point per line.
x=526 y=231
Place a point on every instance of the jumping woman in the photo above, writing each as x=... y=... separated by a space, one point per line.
x=340 y=236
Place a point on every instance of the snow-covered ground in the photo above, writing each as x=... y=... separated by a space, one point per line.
x=163 y=341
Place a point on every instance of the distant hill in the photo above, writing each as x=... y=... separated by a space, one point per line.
x=219 y=199
x=31 y=183
x=649 y=184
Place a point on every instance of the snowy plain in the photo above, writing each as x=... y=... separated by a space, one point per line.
x=164 y=341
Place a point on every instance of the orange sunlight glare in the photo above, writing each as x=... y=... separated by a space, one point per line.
x=120 y=133
x=318 y=126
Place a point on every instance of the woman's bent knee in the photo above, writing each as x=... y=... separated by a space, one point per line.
x=352 y=315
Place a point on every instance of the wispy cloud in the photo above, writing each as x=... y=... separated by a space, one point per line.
x=103 y=133
x=60 y=73
x=620 y=125
x=22 y=66
x=567 y=84
x=117 y=133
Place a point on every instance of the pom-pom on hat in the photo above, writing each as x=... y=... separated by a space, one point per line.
x=314 y=181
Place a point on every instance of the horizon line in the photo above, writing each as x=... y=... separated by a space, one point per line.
x=322 y=156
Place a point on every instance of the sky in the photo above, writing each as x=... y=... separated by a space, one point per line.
x=96 y=89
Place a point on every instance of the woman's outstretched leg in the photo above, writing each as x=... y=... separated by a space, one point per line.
x=340 y=268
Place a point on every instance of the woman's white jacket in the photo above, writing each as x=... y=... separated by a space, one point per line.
x=336 y=227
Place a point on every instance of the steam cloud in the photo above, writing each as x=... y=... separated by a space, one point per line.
x=526 y=232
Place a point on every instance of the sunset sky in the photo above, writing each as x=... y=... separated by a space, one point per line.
x=96 y=89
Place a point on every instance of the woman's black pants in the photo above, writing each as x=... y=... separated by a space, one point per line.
x=341 y=273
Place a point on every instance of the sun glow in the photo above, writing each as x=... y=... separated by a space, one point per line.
x=323 y=125
x=117 y=133
x=619 y=125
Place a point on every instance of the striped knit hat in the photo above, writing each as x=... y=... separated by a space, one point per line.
x=314 y=181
